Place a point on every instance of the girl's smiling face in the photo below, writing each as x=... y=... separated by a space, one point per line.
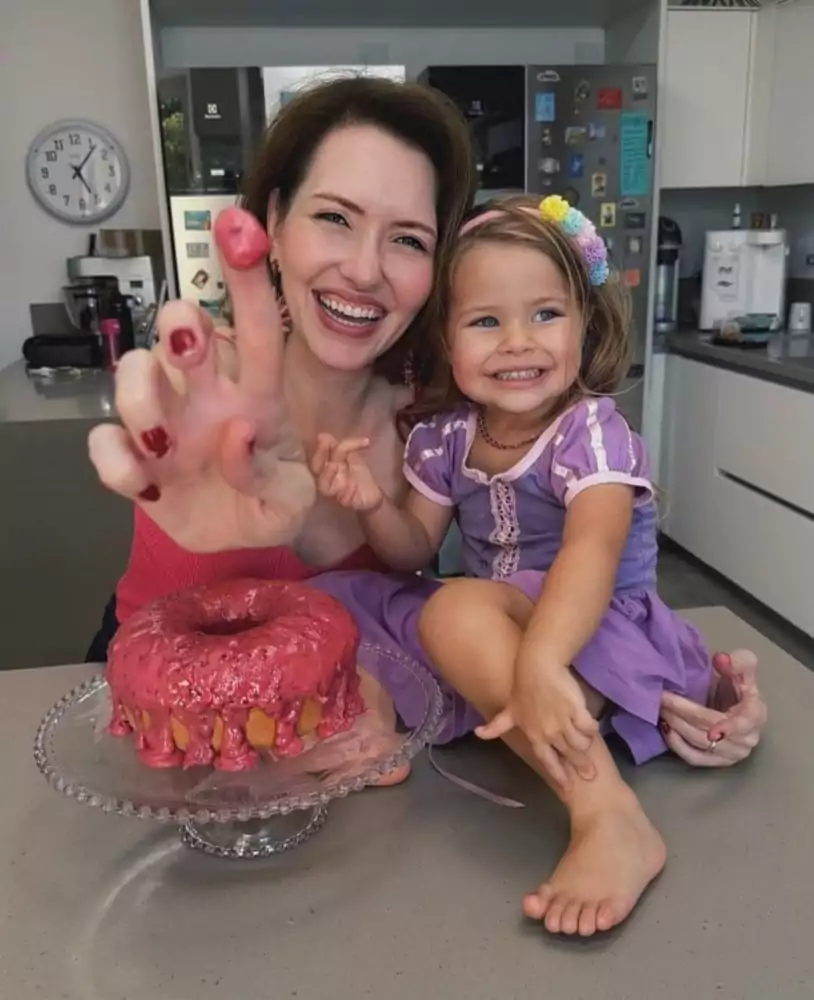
x=514 y=331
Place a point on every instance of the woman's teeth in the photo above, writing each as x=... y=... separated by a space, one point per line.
x=519 y=376
x=353 y=315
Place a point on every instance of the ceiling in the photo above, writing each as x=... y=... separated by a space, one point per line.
x=391 y=13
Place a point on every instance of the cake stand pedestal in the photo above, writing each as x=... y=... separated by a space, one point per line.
x=272 y=808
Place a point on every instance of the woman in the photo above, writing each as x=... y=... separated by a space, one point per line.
x=354 y=201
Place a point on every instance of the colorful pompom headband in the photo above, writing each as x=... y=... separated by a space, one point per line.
x=572 y=222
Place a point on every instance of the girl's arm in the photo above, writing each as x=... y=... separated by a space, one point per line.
x=409 y=536
x=580 y=584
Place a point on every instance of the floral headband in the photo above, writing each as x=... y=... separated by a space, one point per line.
x=573 y=223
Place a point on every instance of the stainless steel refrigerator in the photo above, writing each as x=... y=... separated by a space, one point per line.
x=591 y=139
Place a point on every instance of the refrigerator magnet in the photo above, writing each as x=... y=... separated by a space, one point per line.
x=197 y=251
x=572 y=196
x=596 y=130
x=197 y=221
x=633 y=277
x=607 y=215
x=634 y=220
x=599 y=185
x=546 y=136
x=633 y=245
x=576 y=166
x=609 y=98
x=548 y=165
x=575 y=134
x=628 y=203
x=548 y=76
x=639 y=88
x=582 y=91
x=200 y=279
x=545 y=107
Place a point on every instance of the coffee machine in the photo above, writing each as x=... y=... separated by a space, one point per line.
x=668 y=260
x=126 y=288
x=744 y=277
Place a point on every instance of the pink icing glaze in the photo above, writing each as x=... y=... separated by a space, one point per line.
x=223 y=650
x=241 y=239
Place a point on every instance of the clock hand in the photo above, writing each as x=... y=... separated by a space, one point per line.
x=77 y=171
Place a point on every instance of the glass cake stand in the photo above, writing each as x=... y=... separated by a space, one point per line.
x=248 y=814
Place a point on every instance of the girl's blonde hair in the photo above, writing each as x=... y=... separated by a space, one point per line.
x=605 y=309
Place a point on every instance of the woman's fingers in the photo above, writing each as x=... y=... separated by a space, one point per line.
x=724 y=755
x=238 y=461
x=553 y=765
x=143 y=401
x=244 y=250
x=186 y=335
x=119 y=465
x=698 y=716
x=349 y=446
x=325 y=445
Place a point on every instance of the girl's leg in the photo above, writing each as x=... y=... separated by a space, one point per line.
x=472 y=631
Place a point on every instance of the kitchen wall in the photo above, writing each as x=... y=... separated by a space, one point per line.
x=64 y=59
x=414 y=48
x=698 y=210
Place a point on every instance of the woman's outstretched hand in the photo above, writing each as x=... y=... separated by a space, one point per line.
x=213 y=459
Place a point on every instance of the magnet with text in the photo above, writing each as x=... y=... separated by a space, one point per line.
x=599 y=185
x=626 y=204
x=545 y=107
x=607 y=215
x=575 y=134
x=639 y=88
x=546 y=136
x=549 y=165
x=197 y=221
x=633 y=277
x=196 y=251
x=548 y=76
x=582 y=91
x=576 y=166
x=596 y=130
x=633 y=245
x=635 y=220
x=609 y=98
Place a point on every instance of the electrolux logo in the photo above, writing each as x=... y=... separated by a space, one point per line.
x=212 y=112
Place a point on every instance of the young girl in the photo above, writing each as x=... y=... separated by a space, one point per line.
x=561 y=636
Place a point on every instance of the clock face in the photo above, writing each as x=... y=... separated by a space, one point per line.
x=77 y=171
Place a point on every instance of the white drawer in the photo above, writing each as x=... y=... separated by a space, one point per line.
x=764 y=436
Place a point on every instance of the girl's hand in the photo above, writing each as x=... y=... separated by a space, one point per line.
x=549 y=707
x=342 y=474
x=213 y=460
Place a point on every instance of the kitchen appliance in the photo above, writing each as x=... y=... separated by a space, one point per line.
x=799 y=317
x=590 y=138
x=744 y=275
x=492 y=99
x=668 y=261
x=129 y=290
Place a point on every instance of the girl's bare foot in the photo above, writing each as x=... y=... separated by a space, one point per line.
x=393 y=777
x=613 y=856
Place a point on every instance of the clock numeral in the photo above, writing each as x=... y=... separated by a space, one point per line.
x=52 y=189
x=105 y=154
x=75 y=139
x=111 y=170
x=96 y=199
x=82 y=204
x=58 y=144
x=109 y=189
x=66 y=198
x=44 y=172
x=50 y=155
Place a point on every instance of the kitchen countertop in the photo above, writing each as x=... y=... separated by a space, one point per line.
x=788 y=358
x=414 y=891
x=80 y=394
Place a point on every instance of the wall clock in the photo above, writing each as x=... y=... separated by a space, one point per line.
x=77 y=171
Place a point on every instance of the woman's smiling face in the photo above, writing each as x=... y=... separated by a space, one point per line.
x=356 y=246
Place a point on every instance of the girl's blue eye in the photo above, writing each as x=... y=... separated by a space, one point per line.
x=489 y=322
x=545 y=315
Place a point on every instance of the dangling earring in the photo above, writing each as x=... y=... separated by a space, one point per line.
x=277 y=284
x=409 y=370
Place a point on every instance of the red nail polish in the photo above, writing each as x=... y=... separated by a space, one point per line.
x=182 y=341
x=252 y=444
x=664 y=728
x=157 y=441
x=241 y=238
x=151 y=494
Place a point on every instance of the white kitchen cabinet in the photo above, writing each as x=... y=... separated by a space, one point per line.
x=790 y=126
x=736 y=493
x=704 y=110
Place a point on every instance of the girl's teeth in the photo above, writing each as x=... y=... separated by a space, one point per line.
x=520 y=375
x=344 y=311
